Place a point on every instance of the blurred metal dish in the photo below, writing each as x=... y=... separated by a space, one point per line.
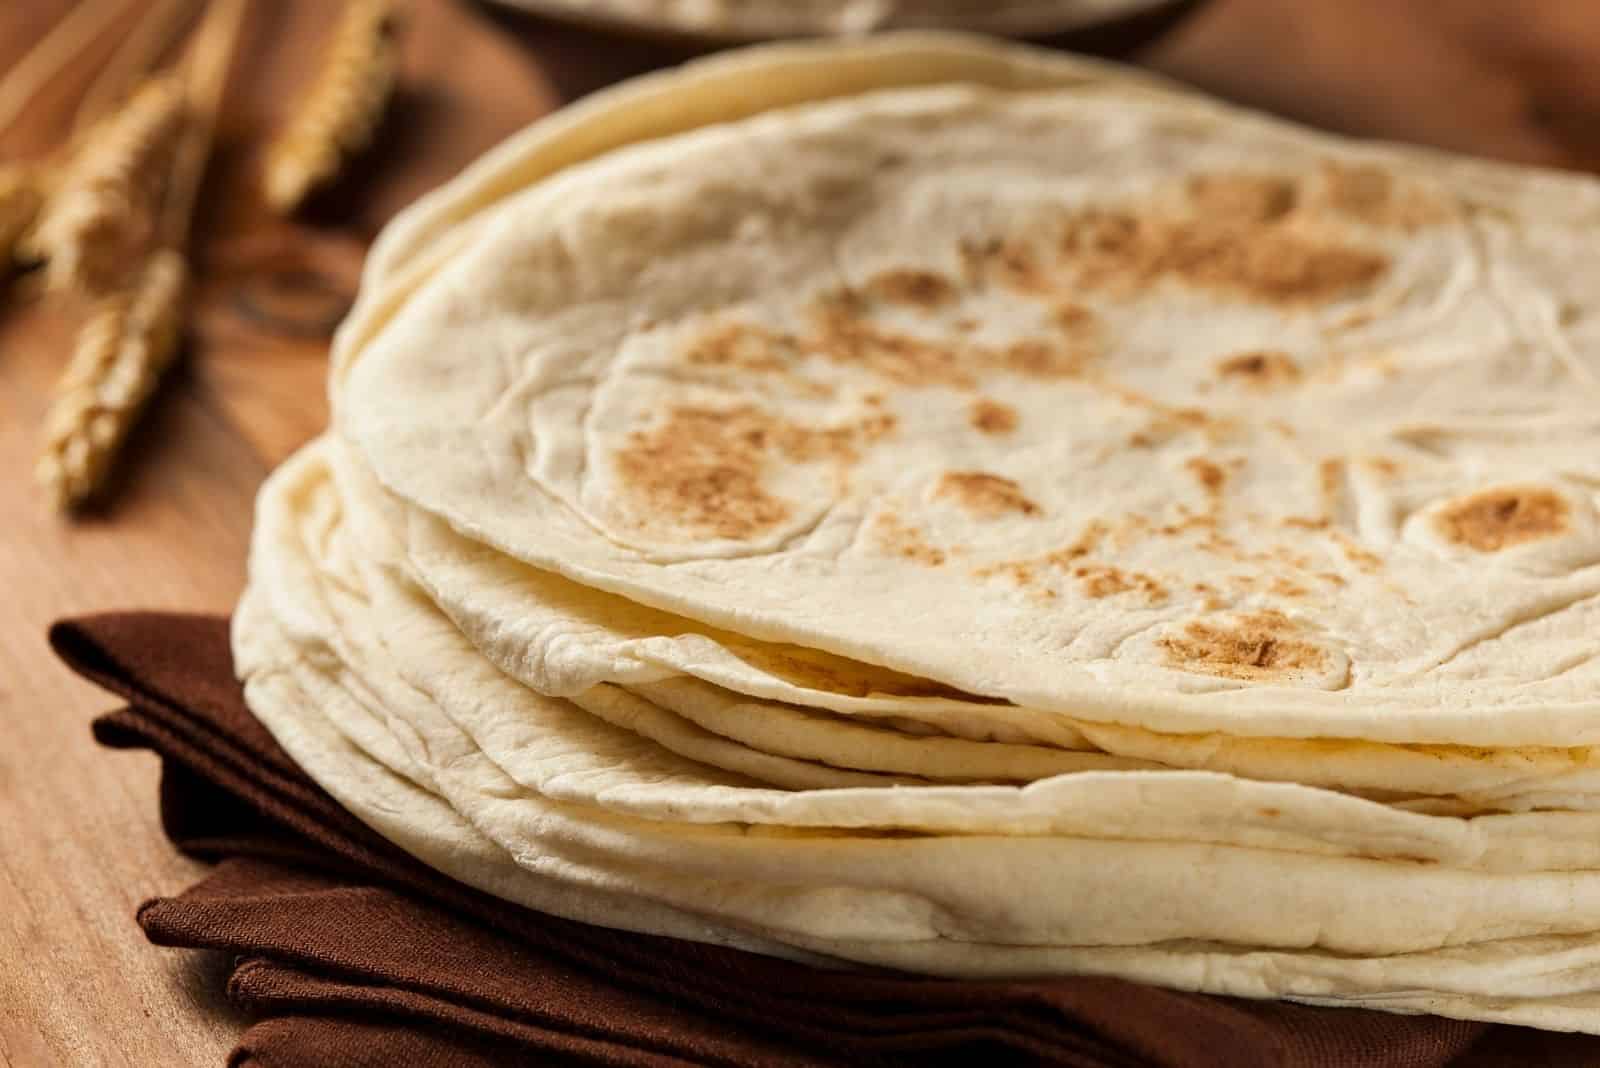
x=750 y=20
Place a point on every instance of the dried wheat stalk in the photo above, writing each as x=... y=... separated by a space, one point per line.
x=82 y=23
x=122 y=350
x=132 y=336
x=105 y=207
x=338 y=114
x=24 y=187
x=159 y=26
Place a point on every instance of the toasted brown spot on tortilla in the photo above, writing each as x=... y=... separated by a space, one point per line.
x=1369 y=194
x=749 y=348
x=1071 y=560
x=877 y=426
x=985 y=495
x=1188 y=521
x=1088 y=540
x=1098 y=580
x=1330 y=482
x=1256 y=647
x=1245 y=198
x=1210 y=475
x=1009 y=262
x=844 y=334
x=916 y=288
x=898 y=538
x=1498 y=519
x=1263 y=369
x=704 y=468
x=1382 y=465
x=1042 y=359
x=1020 y=572
x=1074 y=318
x=1364 y=559
x=1269 y=262
x=992 y=417
x=1301 y=522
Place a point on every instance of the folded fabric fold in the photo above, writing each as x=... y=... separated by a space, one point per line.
x=354 y=953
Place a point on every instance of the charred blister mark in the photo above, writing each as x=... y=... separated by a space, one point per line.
x=985 y=495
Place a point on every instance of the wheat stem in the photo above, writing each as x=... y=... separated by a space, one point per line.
x=76 y=29
x=21 y=194
x=339 y=112
x=132 y=336
x=206 y=84
x=155 y=33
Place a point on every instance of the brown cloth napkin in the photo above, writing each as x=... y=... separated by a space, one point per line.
x=355 y=954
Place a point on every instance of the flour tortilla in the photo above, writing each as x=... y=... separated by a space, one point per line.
x=834 y=885
x=718 y=88
x=751 y=19
x=414 y=817
x=562 y=639
x=1399 y=548
x=1542 y=982
x=417 y=674
x=698 y=722
x=774 y=728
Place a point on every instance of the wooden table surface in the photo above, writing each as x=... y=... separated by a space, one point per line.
x=80 y=840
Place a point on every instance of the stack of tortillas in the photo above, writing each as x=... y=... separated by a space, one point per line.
x=946 y=505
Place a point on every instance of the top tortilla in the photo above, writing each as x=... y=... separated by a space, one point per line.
x=1091 y=399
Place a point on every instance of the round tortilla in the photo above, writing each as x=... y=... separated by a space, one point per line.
x=1327 y=468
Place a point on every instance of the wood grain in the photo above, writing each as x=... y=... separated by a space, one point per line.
x=80 y=842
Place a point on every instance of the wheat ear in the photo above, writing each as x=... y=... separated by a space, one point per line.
x=132 y=336
x=122 y=350
x=104 y=209
x=25 y=186
x=339 y=112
